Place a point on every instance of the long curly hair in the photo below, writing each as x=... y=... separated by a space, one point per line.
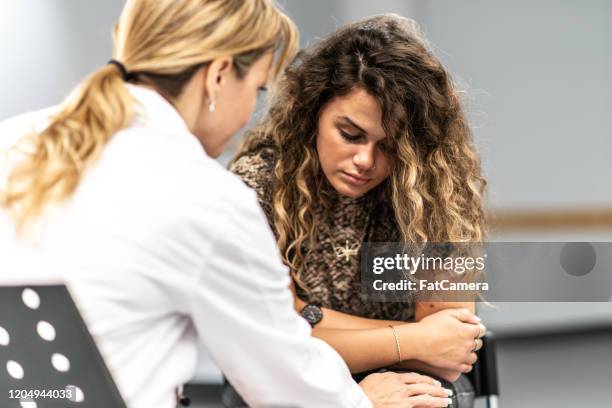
x=435 y=188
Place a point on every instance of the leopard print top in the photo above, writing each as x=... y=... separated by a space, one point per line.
x=332 y=278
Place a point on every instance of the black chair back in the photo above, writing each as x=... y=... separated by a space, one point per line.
x=48 y=359
x=484 y=374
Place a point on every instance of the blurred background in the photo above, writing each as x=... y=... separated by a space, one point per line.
x=539 y=96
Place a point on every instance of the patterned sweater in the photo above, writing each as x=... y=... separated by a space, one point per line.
x=332 y=278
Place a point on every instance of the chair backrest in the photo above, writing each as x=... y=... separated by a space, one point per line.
x=48 y=359
x=484 y=374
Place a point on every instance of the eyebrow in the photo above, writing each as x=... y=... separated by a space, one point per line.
x=353 y=124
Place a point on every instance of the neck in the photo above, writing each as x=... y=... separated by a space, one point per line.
x=189 y=104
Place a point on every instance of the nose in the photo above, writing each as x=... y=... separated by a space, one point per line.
x=364 y=158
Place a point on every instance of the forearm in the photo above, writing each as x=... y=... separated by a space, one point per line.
x=366 y=349
x=367 y=344
x=363 y=343
x=423 y=309
x=442 y=341
x=339 y=320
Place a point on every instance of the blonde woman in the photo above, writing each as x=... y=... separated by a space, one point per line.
x=116 y=193
x=366 y=140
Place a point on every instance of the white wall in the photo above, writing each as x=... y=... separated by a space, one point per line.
x=47 y=46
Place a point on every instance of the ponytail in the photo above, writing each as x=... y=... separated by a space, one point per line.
x=71 y=142
x=162 y=43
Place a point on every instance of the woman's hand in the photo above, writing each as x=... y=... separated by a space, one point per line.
x=446 y=339
x=443 y=373
x=405 y=390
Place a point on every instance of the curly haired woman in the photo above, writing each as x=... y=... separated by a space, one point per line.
x=366 y=141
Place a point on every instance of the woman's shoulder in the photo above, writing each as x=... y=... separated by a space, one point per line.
x=256 y=169
x=254 y=161
x=262 y=159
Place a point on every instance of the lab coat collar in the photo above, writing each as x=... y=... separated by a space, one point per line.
x=153 y=110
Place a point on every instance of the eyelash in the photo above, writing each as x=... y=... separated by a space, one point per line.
x=349 y=137
x=355 y=139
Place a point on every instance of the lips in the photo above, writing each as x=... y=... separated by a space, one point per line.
x=355 y=180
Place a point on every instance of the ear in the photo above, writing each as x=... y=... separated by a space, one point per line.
x=216 y=75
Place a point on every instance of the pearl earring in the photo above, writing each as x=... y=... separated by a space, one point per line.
x=212 y=106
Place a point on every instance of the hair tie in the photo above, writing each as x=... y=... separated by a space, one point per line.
x=124 y=72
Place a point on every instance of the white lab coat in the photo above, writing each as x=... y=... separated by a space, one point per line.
x=162 y=248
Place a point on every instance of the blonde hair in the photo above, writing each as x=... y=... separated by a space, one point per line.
x=161 y=43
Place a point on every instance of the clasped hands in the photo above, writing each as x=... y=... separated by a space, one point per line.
x=443 y=344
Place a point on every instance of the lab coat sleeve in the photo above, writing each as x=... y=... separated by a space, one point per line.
x=243 y=311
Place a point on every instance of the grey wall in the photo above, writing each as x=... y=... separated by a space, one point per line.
x=538 y=92
x=538 y=75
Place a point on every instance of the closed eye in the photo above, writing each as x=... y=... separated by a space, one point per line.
x=349 y=137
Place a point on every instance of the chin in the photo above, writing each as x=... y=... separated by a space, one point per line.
x=212 y=153
x=348 y=191
x=215 y=151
